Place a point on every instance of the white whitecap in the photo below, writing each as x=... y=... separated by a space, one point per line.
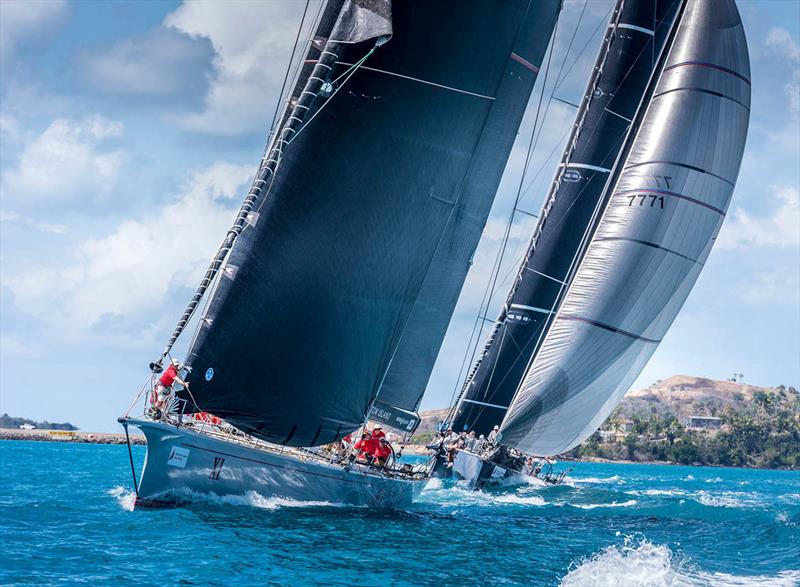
x=125 y=497
x=613 y=504
x=637 y=562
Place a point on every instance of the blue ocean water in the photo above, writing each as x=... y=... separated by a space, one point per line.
x=66 y=518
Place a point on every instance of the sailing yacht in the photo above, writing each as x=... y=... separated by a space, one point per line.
x=330 y=295
x=328 y=300
x=637 y=201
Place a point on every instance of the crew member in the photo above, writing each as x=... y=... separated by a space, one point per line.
x=365 y=446
x=492 y=438
x=381 y=452
x=165 y=382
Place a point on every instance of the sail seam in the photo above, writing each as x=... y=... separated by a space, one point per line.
x=586 y=166
x=704 y=91
x=608 y=327
x=531 y=308
x=711 y=66
x=633 y=27
x=472 y=401
x=649 y=244
x=679 y=164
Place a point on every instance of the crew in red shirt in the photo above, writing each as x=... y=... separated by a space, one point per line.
x=164 y=386
x=365 y=446
x=378 y=433
x=381 y=452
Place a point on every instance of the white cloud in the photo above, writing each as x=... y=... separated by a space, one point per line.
x=132 y=269
x=775 y=287
x=253 y=41
x=781 y=228
x=781 y=43
x=6 y=216
x=70 y=162
x=162 y=63
x=27 y=21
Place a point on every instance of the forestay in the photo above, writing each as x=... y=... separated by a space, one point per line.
x=317 y=291
x=661 y=220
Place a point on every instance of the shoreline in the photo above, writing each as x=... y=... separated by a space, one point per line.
x=76 y=436
x=80 y=437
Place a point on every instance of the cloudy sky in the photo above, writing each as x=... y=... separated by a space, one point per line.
x=129 y=132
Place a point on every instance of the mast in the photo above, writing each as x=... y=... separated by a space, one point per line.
x=625 y=63
x=666 y=206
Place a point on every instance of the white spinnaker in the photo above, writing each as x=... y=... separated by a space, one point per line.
x=652 y=241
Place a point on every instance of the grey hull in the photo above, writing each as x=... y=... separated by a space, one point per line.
x=182 y=463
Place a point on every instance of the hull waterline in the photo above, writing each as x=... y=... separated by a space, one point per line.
x=182 y=464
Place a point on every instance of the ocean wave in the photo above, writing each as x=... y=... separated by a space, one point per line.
x=726 y=499
x=613 y=479
x=613 y=504
x=637 y=562
x=125 y=497
x=459 y=494
x=658 y=492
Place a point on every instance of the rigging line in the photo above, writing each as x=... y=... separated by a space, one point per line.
x=289 y=67
x=498 y=259
x=566 y=158
x=350 y=72
x=572 y=40
x=604 y=158
x=586 y=45
x=602 y=206
x=650 y=42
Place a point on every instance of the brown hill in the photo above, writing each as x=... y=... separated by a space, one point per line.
x=681 y=396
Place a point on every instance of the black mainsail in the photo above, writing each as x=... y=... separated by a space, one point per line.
x=365 y=207
x=626 y=61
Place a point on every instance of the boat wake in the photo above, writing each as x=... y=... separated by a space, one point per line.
x=637 y=562
x=256 y=500
x=127 y=499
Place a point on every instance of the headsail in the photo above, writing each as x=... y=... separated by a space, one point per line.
x=317 y=291
x=627 y=58
x=662 y=217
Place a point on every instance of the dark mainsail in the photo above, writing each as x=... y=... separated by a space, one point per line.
x=367 y=189
x=419 y=346
x=627 y=57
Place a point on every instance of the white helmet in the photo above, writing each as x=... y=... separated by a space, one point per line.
x=176 y=362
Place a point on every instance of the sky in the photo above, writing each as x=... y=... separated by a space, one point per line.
x=129 y=132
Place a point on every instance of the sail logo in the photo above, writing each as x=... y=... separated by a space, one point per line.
x=218 y=462
x=178 y=457
x=571 y=176
x=209 y=374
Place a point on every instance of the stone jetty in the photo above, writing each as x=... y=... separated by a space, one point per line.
x=69 y=436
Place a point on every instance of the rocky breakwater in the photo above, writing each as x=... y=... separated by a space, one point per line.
x=69 y=436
